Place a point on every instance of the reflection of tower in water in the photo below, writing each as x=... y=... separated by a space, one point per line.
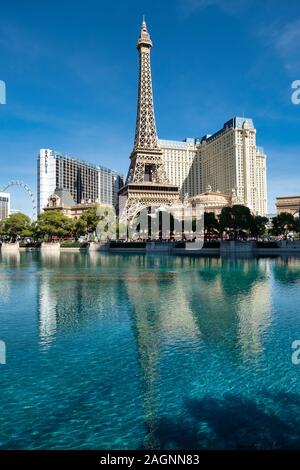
x=161 y=313
x=146 y=325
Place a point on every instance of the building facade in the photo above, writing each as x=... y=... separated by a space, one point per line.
x=225 y=161
x=230 y=160
x=290 y=204
x=87 y=183
x=4 y=205
x=182 y=160
x=261 y=174
x=214 y=201
x=62 y=201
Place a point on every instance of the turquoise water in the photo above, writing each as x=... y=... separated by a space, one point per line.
x=132 y=352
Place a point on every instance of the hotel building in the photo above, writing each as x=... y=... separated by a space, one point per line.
x=227 y=161
x=183 y=165
x=86 y=183
x=4 y=205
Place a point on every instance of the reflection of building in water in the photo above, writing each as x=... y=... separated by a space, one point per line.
x=51 y=257
x=68 y=300
x=47 y=312
x=11 y=258
x=5 y=287
x=161 y=313
x=177 y=320
x=227 y=304
x=287 y=270
x=254 y=311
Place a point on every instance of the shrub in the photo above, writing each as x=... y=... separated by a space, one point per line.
x=30 y=245
x=180 y=244
x=212 y=244
x=207 y=244
x=268 y=244
x=115 y=244
x=73 y=244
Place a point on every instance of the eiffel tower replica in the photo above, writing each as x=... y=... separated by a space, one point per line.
x=147 y=184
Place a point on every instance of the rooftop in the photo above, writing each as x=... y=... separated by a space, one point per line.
x=63 y=156
x=233 y=123
x=177 y=143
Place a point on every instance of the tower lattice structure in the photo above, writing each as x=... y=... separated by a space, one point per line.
x=146 y=184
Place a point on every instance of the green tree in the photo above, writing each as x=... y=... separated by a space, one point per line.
x=258 y=226
x=54 y=224
x=2 y=231
x=16 y=226
x=283 y=224
x=211 y=224
x=297 y=225
x=236 y=219
x=79 y=228
x=100 y=220
x=88 y=221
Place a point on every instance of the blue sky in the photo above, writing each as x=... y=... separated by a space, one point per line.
x=71 y=74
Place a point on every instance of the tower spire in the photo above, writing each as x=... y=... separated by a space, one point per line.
x=144 y=38
x=145 y=131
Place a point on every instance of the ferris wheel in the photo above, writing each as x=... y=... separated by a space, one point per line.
x=25 y=186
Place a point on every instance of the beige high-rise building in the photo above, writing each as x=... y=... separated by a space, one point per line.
x=182 y=161
x=261 y=172
x=231 y=160
x=228 y=161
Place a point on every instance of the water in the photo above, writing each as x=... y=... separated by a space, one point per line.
x=128 y=352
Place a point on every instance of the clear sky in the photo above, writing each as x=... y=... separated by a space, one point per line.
x=71 y=70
